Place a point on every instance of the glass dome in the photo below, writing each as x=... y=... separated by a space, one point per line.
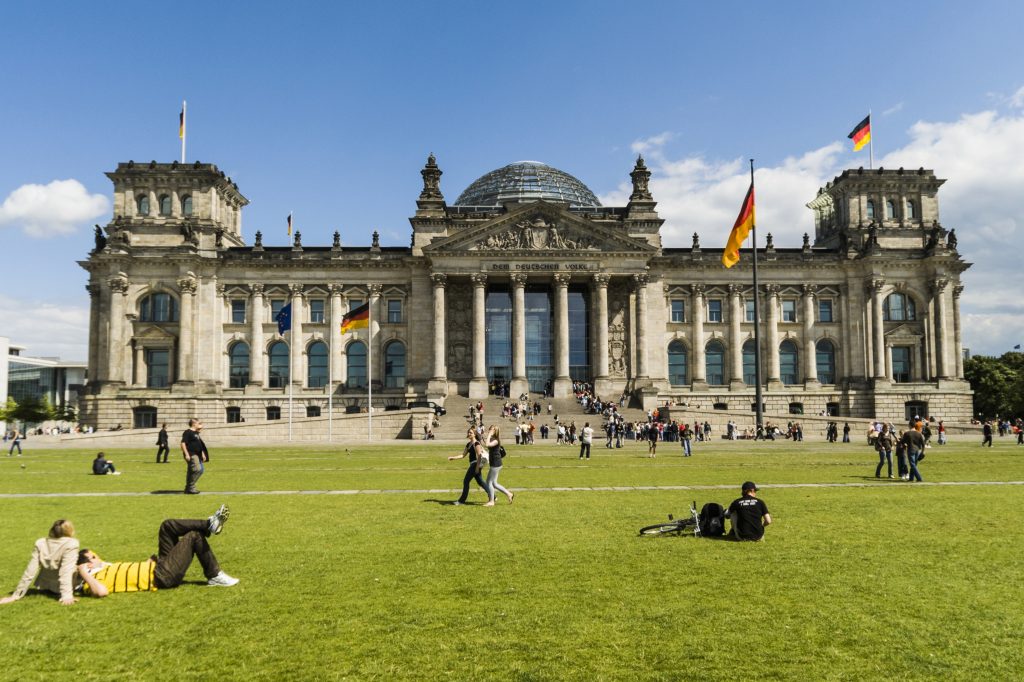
x=527 y=181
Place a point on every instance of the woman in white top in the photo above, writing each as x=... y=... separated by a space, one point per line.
x=494 y=457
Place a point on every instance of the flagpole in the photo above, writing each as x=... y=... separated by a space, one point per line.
x=369 y=368
x=184 y=129
x=759 y=411
x=330 y=377
x=871 y=144
x=291 y=379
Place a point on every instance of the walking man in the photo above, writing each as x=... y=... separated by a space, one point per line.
x=161 y=444
x=986 y=432
x=193 y=449
x=16 y=437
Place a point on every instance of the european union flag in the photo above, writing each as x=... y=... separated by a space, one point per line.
x=284 y=319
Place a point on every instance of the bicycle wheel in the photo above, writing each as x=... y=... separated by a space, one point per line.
x=663 y=528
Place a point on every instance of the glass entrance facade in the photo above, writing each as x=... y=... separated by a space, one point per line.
x=498 y=325
x=539 y=329
x=579 y=337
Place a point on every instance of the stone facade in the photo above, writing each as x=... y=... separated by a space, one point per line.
x=864 y=322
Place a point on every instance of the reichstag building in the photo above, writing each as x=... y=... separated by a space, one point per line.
x=525 y=282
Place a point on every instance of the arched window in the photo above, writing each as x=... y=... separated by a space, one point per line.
x=911 y=210
x=165 y=205
x=142 y=203
x=714 y=363
x=394 y=365
x=825 y=356
x=899 y=308
x=238 y=365
x=677 y=364
x=788 y=358
x=158 y=308
x=277 y=368
x=890 y=210
x=749 y=363
x=316 y=356
x=871 y=210
x=186 y=205
x=356 y=354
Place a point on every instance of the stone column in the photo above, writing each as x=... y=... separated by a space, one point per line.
x=736 y=314
x=562 y=384
x=847 y=348
x=519 y=382
x=139 y=369
x=337 y=353
x=116 y=342
x=878 y=328
x=374 y=345
x=186 y=344
x=256 y=342
x=810 y=348
x=478 y=384
x=600 y=359
x=774 y=379
x=640 y=282
x=942 y=335
x=295 y=345
x=440 y=369
x=698 y=371
x=958 y=349
x=94 y=371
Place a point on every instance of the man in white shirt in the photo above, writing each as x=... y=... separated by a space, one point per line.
x=586 y=436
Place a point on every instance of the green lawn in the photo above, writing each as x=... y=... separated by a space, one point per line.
x=880 y=579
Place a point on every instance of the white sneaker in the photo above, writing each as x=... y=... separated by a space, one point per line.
x=116 y=473
x=222 y=579
x=217 y=521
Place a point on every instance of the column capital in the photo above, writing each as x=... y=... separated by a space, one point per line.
x=698 y=289
x=957 y=290
x=735 y=289
x=256 y=289
x=187 y=284
x=939 y=285
x=810 y=290
x=601 y=280
x=336 y=289
x=480 y=280
x=518 y=279
x=876 y=285
x=221 y=288
x=94 y=290
x=561 y=279
x=771 y=289
x=376 y=289
x=641 y=279
x=296 y=289
x=118 y=284
x=439 y=279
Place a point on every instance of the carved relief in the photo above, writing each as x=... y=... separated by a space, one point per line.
x=459 y=334
x=187 y=285
x=536 y=235
x=618 y=327
x=257 y=289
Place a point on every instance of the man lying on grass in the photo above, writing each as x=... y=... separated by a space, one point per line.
x=180 y=540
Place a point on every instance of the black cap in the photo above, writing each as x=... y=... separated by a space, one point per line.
x=749 y=485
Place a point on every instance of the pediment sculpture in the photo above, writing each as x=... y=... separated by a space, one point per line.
x=536 y=235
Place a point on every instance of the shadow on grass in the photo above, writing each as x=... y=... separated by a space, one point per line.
x=167 y=492
x=451 y=503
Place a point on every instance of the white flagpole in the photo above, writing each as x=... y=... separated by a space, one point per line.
x=184 y=129
x=291 y=379
x=369 y=368
x=330 y=377
x=871 y=144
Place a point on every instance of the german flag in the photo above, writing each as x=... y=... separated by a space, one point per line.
x=740 y=230
x=861 y=135
x=181 y=124
x=358 y=318
x=289 y=224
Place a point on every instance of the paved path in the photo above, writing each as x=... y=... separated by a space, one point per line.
x=557 y=489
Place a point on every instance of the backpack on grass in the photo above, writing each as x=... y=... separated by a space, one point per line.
x=711 y=520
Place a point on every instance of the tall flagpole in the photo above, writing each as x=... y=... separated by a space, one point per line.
x=291 y=379
x=369 y=367
x=871 y=144
x=759 y=409
x=330 y=377
x=184 y=129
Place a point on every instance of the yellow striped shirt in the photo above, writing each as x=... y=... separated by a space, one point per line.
x=126 y=576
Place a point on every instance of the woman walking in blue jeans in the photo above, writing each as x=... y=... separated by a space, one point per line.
x=472 y=450
x=884 y=446
x=494 y=466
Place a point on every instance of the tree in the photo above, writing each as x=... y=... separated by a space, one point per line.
x=32 y=411
x=996 y=384
x=7 y=410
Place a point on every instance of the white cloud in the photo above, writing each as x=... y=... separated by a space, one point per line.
x=46 y=329
x=893 y=109
x=979 y=154
x=51 y=210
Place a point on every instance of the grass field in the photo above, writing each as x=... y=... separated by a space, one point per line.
x=354 y=566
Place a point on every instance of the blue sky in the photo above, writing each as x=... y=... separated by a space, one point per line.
x=330 y=109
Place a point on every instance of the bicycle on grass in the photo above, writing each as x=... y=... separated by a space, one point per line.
x=676 y=526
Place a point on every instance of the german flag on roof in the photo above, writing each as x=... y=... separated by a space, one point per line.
x=861 y=135
x=357 y=318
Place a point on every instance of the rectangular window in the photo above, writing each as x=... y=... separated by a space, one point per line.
x=316 y=311
x=678 y=310
x=354 y=303
x=275 y=307
x=714 y=310
x=273 y=412
x=157 y=368
x=395 y=311
x=238 y=312
x=901 y=364
x=825 y=310
x=789 y=310
x=234 y=415
x=749 y=311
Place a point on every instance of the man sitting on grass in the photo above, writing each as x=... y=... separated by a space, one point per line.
x=749 y=515
x=102 y=466
x=180 y=540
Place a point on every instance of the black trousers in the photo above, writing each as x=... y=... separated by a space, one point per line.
x=179 y=541
x=162 y=449
x=472 y=474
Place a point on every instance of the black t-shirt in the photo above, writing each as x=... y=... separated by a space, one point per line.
x=750 y=512
x=193 y=443
x=494 y=456
x=652 y=434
